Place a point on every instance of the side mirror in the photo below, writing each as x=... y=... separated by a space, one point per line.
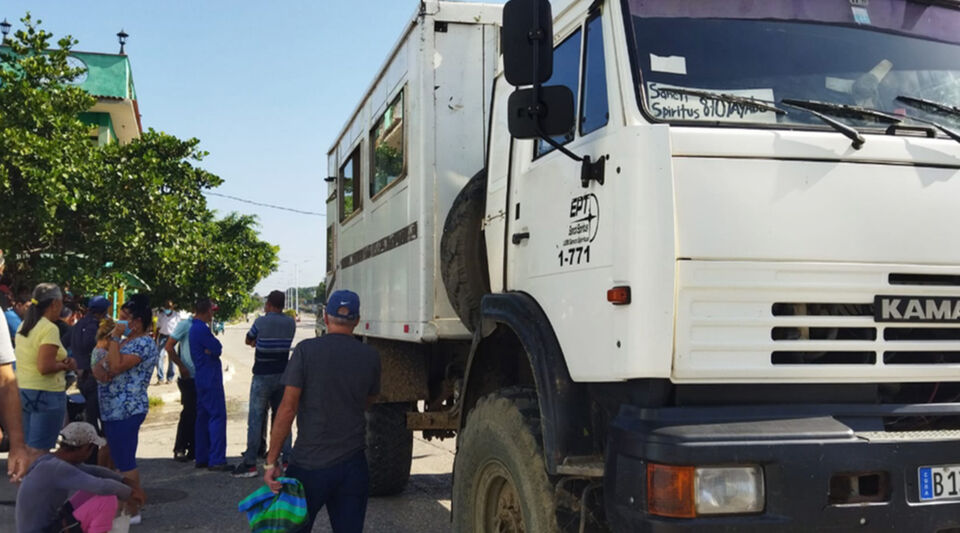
x=527 y=42
x=550 y=115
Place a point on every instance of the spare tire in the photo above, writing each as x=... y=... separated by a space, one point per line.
x=463 y=252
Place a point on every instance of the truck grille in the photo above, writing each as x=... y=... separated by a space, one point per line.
x=774 y=321
x=892 y=334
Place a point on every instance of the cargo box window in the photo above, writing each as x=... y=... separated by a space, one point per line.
x=566 y=71
x=349 y=199
x=386 y=140
x=594 y=111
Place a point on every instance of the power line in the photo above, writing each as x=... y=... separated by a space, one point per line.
x=261 y=204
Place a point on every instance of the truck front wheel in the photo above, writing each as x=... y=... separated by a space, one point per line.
x=389 y=448
x=500 y=482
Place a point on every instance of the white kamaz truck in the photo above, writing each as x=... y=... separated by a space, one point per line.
x=664 y=265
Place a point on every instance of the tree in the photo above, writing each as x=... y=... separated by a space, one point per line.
x=90 y=215
x=227 y=259
x=44 y=152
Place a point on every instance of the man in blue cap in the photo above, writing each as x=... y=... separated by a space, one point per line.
x=330 y=382
x=83 y=339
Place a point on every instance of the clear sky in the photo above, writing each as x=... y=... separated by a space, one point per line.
x=264 y=86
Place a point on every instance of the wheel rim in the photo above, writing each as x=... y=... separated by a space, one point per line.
x=498 y=505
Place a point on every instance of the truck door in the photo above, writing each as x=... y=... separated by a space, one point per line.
x=560 y=238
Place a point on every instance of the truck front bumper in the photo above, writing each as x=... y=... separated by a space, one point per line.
x=800 y=448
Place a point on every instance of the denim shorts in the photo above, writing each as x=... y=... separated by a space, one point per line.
x=43 y=416
x=123 y=436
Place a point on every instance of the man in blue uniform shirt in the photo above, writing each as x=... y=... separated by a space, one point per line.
x=211 y=430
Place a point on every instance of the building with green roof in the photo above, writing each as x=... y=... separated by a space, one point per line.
x=109 y=78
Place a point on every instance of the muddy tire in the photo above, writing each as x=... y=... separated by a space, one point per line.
x=389 y=448
x=500 y=482
x=463 y=253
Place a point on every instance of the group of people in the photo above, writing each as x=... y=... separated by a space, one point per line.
x=113 y=361
x=326 y=385
x=92 y=475
x=117 y=364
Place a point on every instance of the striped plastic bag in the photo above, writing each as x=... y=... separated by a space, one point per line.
x=276 y=513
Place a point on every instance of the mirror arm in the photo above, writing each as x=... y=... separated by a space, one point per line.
x=536 y=35
x=557 y=145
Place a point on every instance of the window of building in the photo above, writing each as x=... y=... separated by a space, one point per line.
x=594 y=112
x=566 y=71
x=386 y=140
x=349 y=172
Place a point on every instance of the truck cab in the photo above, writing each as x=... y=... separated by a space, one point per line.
x=664 y=265
x=759 y=288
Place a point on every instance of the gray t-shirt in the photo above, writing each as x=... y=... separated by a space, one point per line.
x=336 y=374
x=48 y=484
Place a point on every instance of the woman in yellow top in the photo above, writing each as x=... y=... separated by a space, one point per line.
x=41 y=364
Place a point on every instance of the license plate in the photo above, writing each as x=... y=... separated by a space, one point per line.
x=916 y=309
x=939 y=482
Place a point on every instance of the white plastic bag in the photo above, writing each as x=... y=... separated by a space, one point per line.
x=121 y=524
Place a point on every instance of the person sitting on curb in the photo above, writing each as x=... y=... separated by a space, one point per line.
x=42 y=503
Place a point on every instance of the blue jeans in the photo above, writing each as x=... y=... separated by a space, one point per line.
x=343 y=488
x=266 y=390
x=43 y=416
x=164 y=361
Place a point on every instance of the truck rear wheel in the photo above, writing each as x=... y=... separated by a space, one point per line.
x=389 y=448
x=500 y=482
x=463 y=253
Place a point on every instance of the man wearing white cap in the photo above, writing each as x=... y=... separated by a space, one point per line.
x=42 y=499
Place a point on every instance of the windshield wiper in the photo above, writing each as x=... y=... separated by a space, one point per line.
x=860 y=111
x=930 y=106
x=843 y=110
x=850 y=133
x=729 y=98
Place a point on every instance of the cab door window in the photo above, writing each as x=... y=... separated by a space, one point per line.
x=566 y=71
x=594 y=111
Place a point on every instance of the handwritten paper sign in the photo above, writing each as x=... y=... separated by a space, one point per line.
x=667 y=104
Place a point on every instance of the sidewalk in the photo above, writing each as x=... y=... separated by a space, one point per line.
x=180 y=497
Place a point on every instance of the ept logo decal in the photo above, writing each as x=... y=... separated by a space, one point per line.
x=584 y=220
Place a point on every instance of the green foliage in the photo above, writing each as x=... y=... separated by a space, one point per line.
x=388 y=164
x=71 y=208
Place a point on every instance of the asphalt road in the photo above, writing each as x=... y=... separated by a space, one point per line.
x=181 y=498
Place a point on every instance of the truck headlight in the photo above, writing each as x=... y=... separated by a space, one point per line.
x=728 y=490
x=690 y=491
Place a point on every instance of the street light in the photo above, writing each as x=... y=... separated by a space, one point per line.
x=5 y=29
x=122 y=37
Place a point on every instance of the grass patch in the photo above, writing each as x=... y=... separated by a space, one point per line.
x=155 y=401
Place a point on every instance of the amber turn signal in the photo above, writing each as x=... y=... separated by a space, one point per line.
x=619 y=295
x=670 y=491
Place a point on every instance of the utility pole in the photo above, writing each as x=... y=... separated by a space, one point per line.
x=296 y=288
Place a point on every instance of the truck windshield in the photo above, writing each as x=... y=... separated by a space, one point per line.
x=878 y=54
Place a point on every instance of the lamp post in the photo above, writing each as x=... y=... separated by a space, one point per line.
x=5 y=29
x=122 y=37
